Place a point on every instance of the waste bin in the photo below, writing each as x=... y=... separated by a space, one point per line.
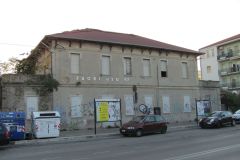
x=15 y=123
x=46 y=124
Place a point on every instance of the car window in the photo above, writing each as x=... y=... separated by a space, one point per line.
x=138 y=118
x=150 y=119
x=215 y=114
x=237 y=112
x=159 y=119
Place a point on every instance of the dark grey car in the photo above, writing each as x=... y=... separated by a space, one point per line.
x=217 y=119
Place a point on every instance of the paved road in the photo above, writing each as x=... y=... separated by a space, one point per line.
x=188 y=144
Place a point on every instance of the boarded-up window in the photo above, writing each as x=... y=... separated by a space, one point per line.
x=129 y=104
x=75 y=63
x=184 y=70
x=105 y=65
x=127 y=66
x=146 y=67
x=163 y=68
x=76 y=106
x=166 y=104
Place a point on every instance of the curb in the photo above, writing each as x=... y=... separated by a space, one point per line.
x=83 y=138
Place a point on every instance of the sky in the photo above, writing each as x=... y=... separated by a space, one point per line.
x=192 y=24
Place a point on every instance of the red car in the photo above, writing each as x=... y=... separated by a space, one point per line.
x=144 y=124
x=4 y=135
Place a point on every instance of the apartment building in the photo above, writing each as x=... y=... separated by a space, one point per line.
x=222 y=61
x=92 y=63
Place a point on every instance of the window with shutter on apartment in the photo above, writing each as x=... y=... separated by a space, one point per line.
x=146 y=67
x=105 y=65
x=163 y=68
x=75 y=63
x=184 y=70
x=127 y=66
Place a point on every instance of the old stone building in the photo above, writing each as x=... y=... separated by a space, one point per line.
x=91 y=63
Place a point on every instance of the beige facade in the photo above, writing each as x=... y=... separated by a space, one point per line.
x=136 y=75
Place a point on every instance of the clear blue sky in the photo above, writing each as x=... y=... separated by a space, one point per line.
x=187 y=23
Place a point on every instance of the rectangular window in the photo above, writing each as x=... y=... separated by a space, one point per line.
x=105 y=65
x=76 y=106
x=163 y=68
x=184 y=70
x=209 y=69
x=146 y=67
x=127 y=66
x=75 y=63
x=233 y=83
x=212 y=52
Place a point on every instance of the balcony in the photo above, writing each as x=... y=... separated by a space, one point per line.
x=229 y=55
x=235 y=69
x=230 y=86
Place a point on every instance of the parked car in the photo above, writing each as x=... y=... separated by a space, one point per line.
x=144 y=124
x=4 y=135
x=236 y=116
x=217 y=119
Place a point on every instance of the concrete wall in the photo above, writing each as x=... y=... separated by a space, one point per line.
x=209 y=59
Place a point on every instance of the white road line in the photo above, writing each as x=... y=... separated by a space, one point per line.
x=198 y=154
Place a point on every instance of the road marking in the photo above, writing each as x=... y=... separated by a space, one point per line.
x=198 y=154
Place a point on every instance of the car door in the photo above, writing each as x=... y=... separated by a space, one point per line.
x=224 y=118
x=228 y=117
x=149 y=124
x=160 y=123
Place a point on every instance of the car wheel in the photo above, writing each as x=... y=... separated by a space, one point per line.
x=233 y=123
x=163 y=130
x=202 y=126
x=219 y=125
x=139 y=133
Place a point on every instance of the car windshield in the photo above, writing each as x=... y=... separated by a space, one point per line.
x=215 y=114
x=237 y=112
x=138 y=119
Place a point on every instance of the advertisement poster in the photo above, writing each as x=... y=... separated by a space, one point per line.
x=103 y=111
x=203 y=107
x=107 y=110
x=187 y=105
x=129 y=105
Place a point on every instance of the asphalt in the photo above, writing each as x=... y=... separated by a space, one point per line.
x=89 y=134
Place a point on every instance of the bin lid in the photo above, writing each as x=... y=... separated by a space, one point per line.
x=46 y=114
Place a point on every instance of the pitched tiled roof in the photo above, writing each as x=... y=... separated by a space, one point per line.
x=94 y=35
x=224 y=41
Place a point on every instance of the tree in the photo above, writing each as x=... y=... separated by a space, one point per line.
x=230 y=100
x=9 y=66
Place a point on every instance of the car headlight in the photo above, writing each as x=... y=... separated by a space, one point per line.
x=130 y=128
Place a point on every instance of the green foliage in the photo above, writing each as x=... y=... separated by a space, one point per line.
x=27 y=65
x=9 y=66
x=231 y=100
x=48 y=85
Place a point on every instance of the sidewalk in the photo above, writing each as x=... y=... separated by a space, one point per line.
x=87 y=134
